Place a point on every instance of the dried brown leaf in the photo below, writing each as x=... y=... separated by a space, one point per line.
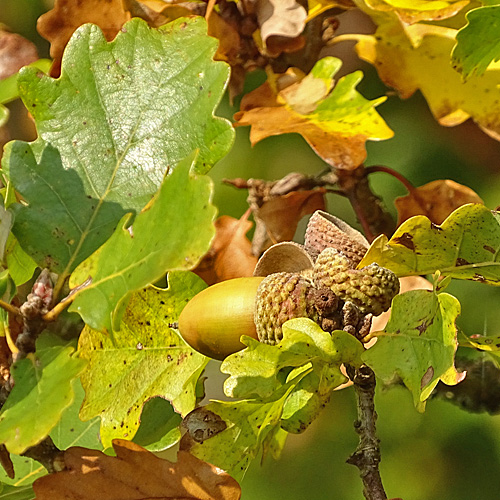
x=135 y=474
x=230 y=255
x=229 y=39
x=436 y=200
x=281 y=214
x=58 y=24
x=15 y=52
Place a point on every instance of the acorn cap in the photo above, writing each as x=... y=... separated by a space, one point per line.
x=371 y=288
x=280 y=297
x=327 y=231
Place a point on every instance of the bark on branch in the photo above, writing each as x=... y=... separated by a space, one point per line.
x=367 y=455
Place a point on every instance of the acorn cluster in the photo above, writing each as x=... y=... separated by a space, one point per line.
x=326 y=287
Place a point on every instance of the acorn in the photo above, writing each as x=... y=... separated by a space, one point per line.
x=371 y=288
x=214 y=320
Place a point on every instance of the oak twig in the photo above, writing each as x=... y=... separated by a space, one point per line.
x=367 y=455
x=48 y=454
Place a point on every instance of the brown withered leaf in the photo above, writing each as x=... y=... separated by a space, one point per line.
x=230 y=255
x=15 y=52
x=436 y=200
x=135 y=474
x=58 y=24
x=229 y=39
x=281 y=214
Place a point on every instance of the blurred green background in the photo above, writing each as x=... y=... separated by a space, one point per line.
x=443 y=454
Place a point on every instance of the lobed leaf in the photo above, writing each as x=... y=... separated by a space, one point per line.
x=251 y=425
x=415 y=57
x=436 y=200
x=418 y=344
x=257 y=371
x=465 y=246
x=172 y=233
x=336 y=123
x=414 y=11
x=146 y=358
x=135 y=474
x=121 y=115
x=478 y=43
x=43 y=390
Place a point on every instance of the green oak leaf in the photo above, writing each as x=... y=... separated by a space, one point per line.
x=172 y=233
x=5 y=227
x=59 y=208
x=9 y=90
x=8 y=492
x=21 y=266
x=252 y=425
x=478 y=43
x=146 y=358
x=418 y=344
x=121 y=114
x=465 y=246
x=310 y=396
x=43 y=390
x=159 y=427
x=257 y=370
x=71 y=431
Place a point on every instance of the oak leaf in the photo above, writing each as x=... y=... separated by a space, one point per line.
x=230 y=255
x=411 y=58
x=135 y=474
x=281 y=214
x=414 y=11
x=58 y=24
x=332 y=116
x=436 y=200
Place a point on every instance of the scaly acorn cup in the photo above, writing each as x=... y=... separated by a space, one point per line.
x=371 y=288
x=327 y=231
x=280 y=297
x=214 y=320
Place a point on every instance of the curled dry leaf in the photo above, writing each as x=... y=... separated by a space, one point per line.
x=436 y=200
x=135 y=474
x=281 y=214
x=230 y=255
x=58 y=24
x=15 y=52
x=281 y=23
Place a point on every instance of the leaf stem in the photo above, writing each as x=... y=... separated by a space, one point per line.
x=10 y=308
x=367 y=455
x=401 y=178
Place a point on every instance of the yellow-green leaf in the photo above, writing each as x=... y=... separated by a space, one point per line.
x=465 y=246
x=332 y=116
x=418 y=344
